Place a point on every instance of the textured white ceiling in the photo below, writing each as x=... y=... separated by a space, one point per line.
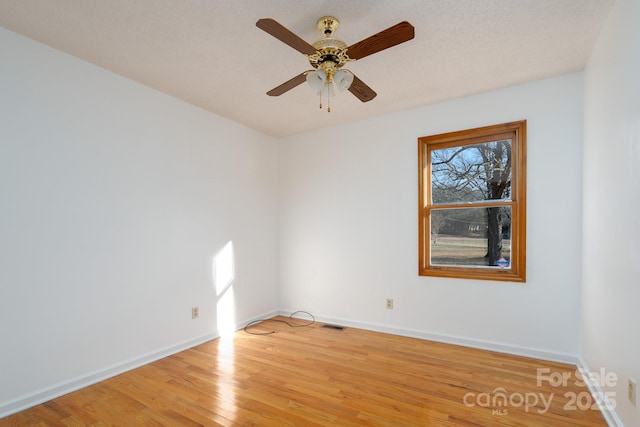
x=211 y=54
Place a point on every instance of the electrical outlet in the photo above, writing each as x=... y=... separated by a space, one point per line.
x=632 y=392
x=194 y=312
x=389 y=303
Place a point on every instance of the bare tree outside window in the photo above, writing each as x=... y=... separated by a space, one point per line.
x=472 y=207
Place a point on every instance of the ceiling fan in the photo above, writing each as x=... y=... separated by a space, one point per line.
x=328 y=55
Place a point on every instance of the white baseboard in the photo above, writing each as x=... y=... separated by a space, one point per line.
x=610 y=415
x=451 y=339
x=43 y=395
x=26 y=401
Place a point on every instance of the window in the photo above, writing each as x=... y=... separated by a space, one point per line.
x=472 y=206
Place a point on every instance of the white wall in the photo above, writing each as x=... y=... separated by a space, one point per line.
x=348 y=225
x=114 y=199
x=611 y=254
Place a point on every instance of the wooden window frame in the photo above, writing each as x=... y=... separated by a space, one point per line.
x=517 y=270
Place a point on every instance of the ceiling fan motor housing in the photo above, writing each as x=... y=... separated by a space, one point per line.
x=331 y=53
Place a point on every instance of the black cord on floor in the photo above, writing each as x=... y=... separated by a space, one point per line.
x=291 y=317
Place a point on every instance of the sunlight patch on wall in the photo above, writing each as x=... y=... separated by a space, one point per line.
x=223 y=276
x=223 y=268
x=227 y=313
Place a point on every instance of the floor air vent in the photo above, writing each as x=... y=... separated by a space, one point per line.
x=336 y=327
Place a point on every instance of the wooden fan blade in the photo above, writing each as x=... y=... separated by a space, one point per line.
x=363 y=92
x=284 y=35
x=392 y=36
x=288 y=85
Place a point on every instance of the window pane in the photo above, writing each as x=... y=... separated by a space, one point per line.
x=471 y=237
x=471 y=173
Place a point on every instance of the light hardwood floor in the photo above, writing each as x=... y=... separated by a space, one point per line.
x=313 y=376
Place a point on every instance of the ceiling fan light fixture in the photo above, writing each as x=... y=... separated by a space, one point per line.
x=316 y=80
x=343 y=79
x=319 y=80
x=325 y=84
